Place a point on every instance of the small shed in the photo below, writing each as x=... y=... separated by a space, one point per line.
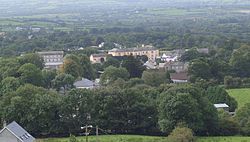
x=222 y=106
x=15 y=133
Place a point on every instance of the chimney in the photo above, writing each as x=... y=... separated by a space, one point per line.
x=4 y=123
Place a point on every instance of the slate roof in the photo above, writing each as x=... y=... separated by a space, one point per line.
x=19 y=132
x=84 y=83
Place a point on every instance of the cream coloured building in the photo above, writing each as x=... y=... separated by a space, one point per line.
x=97 y=58
x=52 y=59
x=150 y=52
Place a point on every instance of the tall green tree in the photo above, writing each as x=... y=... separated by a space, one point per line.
x=112 y=73
x=47 y=77
x=186 y=104
x=240 y=61
x=10 y=84
x=32 y=58
x=64 y=81
x=30 y=73
x=243 y=117
x=87 y=68
x=153 y=78
x=34 y=108
x=199 y=69
x=134 y=66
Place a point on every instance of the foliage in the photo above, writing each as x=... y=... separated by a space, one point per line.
x=240 y=61
x=218 y=94
x=111 y=62
x=29 y=73
x=154 y=78
x=42 y=115
x=228 y=126
x=243 y=117
x=48 y=76
x=72 y=138
x=63 y=80
x=10 y=84
x=134 y=66
x=186 y=104
x=112 y=73
x=181 y=134
x=32 y=58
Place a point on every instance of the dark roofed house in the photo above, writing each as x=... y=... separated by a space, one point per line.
x=15 y=133
x=85 y=84
x=181 y=77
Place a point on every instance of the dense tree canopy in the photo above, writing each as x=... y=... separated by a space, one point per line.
x=185 y=104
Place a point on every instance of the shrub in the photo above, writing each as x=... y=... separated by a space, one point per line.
x=181 y=134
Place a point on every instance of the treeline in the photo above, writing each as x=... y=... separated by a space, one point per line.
x=130 y=101
x=171 y=36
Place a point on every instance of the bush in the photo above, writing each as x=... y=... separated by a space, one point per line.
x=227 y=124
x=72 y=138
x=181 y=134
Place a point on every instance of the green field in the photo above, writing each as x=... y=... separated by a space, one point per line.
x=131 y=138
x=242 y=96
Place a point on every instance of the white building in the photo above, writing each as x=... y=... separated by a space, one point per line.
x=52 y=59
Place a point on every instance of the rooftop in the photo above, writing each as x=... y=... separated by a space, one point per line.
x=84 y=83
x=99 y=55
x=50 y=52
x=223 y=105
x=19 y=132
x=179 y=76
x=132 y=49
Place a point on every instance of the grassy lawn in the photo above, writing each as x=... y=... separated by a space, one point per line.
x=136 y=138
x=224 y=139
x=242 y=96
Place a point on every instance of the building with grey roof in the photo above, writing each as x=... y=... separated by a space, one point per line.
x=15 y=133
x=85 y=84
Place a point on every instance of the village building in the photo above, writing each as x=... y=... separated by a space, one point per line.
x=174 y=66
x=98 y=58
x=86 y=84
x=52 y=59
x=169 y=58
x=149 y=51
x=15 y=133
x=181 y=77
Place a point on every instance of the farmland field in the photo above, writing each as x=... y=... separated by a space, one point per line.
x=134 y=138
x=242 y=96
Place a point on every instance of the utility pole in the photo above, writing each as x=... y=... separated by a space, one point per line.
x=86 y=133
x=97 y=133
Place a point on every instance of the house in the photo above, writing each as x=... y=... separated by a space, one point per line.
x=52 y=59
x=168 y=58
x=15 y=133
x=98 y=58
x=150 y=65
x=149 y=51
x=86 y=84
x=181 y=77
x=222 y=106
x=175 y=66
